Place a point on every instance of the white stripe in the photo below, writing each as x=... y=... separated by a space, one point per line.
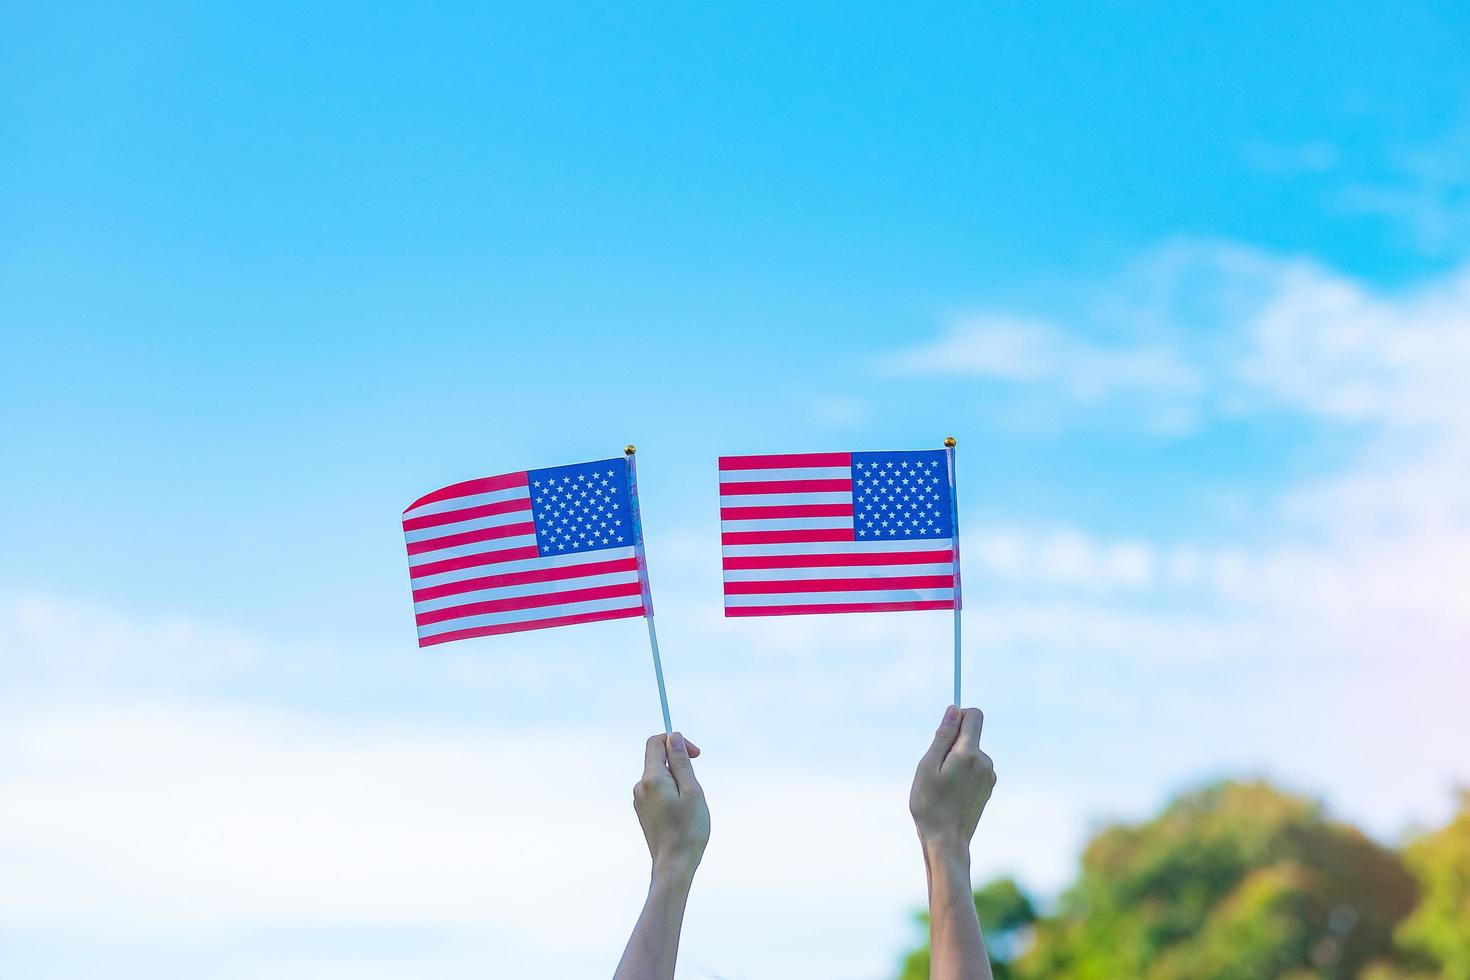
x=473 y=500
x=832 y=547
x=527 y=615
x=834 y=571
x=444 y=530
x=834 y=598
x=526 y=588
x=785 y=499
x=788 y=524
x=477 y=548
x=521 y=565
x=787 y=473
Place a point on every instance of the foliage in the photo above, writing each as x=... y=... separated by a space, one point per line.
x=1438 y=931
x=1004 y=911
x=1241 y=881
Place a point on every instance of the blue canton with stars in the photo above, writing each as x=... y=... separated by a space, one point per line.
x=582 y=507
x=900 y=496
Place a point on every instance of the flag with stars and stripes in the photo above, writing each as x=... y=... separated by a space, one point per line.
x=838 y=532
x=526 y=551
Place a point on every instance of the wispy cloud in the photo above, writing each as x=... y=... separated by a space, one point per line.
x=1028 y=351
x=1224 y=331
x=1426 y=190
x=1277 y=159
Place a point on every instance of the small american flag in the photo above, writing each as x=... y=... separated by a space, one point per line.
x=838 y=532
x=526 y=551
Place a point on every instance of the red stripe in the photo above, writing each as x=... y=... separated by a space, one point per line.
x=527 y=602
x=787 y=537
x=483 y=485
x=841 y=607
x=787 y=486
x=470 y=561
x=841 y=585
x=825 y=561
x=530 y=624
x=784 y=461
x=471 y=537
x=785 y=510
x=468 y=514
x=523 y=578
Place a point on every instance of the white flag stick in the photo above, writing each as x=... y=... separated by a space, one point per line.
x=954 y=524
x=658 y=667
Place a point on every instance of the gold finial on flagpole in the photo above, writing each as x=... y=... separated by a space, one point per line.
x=949 y=442
x=629 y=449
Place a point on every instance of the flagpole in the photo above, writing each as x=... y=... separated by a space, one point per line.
x=954 y=523
x=658 y=667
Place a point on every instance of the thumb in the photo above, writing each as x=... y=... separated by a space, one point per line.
x=944 y=738
x=679 y=765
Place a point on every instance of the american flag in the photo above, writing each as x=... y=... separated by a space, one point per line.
x=837 y=532
x=526 y=551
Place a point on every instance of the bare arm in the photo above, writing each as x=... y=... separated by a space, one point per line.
x=951 y=787
x=675 y=820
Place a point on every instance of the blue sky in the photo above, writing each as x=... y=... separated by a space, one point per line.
x=1189 y=284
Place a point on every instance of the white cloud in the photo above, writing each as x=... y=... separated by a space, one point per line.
x=140 y=819
x=1026 y=351
x=1426 y=191
x=1291 y=159
x=1329 y=346
x=839 y=411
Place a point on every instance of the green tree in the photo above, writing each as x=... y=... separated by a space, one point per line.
x=1005 y=913
x=1437 y=934
x=1238 y=881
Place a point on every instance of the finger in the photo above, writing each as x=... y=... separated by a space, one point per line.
x=655 y=758
x=679 y=765
x=693 y=749
x=972 y=720
x=949 y=729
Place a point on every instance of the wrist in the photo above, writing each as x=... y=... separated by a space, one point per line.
x=946 y=852
x=674 y=872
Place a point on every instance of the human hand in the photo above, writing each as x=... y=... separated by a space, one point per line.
x=670 y=806
x=953 y=783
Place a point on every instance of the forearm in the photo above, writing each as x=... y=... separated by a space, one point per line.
x=957 y=950
x=654 y=945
